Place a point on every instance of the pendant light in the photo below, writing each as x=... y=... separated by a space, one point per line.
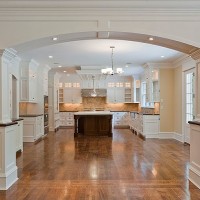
x=93 y=93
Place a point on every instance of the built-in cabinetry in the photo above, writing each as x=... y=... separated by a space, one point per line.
x=19 y=136
x=70 y=92
x=151 y=126
x=115 y=95
x=28 y=81
x=72 y=95
x=66 y=119
x=33 y=128
x=146 y=125
x=120 y=119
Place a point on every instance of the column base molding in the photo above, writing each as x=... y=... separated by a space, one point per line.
x=8 y=179
x=194 y=176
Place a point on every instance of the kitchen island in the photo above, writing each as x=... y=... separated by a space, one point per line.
x=93 y=123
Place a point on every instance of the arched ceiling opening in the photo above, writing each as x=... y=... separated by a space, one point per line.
x=92 y=49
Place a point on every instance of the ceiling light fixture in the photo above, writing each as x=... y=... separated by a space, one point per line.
x=151 y=39
x=50 y=56
x=110 y=70
x=59 y=66
x=162 y=56
x=65 y=71
x=54 y=38
x=93 y=93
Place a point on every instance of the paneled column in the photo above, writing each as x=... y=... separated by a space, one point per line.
x=196 y=56
x=6 y=56
x=194 y=168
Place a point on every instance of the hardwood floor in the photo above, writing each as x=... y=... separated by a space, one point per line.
x=90 y=168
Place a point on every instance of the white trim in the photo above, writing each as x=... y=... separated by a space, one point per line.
x=194 y=176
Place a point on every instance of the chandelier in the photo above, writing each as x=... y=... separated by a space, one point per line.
x=110 y=70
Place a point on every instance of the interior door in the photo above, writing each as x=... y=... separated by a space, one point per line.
x=189 y=80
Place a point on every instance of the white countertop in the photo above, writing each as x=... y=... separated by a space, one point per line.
x=93 y=113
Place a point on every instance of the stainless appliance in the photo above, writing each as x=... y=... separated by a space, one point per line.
x=46 y=115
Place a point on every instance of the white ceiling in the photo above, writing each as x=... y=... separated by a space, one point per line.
x=96 y=53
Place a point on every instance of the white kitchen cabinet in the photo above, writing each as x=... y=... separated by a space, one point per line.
x=115 y=95
x=19 y=136
x=147 y=125
x=72 y=95
x=28 y=81
x=151 y=126
x=33 y=128
x=66 y=119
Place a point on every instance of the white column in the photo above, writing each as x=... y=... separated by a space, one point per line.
x=194 y=169
x=8 y=168
x=6 y=56
x=196 y=56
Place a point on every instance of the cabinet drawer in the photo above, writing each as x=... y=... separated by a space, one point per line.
x=70 y=123
x=70 y=118
x=69 y=114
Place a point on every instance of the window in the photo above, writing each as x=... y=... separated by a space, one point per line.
x=189 y=97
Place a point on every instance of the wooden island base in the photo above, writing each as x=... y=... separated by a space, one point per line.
x=93 y=124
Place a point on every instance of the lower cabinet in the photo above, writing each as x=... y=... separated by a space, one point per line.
x=66 y=119
x=33 y=128
x=151 y=126
x=120 y=119
x=147 y=125
x=19 y=136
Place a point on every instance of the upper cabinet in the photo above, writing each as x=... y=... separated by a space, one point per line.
x=70 y=92
x=28 y=81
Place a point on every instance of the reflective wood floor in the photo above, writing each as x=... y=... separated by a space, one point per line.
x=122 y=167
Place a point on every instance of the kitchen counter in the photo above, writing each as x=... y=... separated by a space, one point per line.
x=31 y=115
x=93 y=113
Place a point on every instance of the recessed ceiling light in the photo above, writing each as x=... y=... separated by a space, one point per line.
x=162 y=56
x=151 y=38
x=50 y=56
x=65 y=71
x=54 y=38
x=59 y=66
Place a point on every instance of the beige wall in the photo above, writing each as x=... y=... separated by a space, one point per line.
x=178 y=100
x=167 y=100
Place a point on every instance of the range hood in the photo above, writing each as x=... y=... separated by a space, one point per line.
x=87 y=92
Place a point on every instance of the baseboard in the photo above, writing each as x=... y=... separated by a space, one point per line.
x=152 y=136
x=166 y=135
x=171 y=135
x=179 y=137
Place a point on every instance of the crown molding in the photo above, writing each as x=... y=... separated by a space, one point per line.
x=58 y=10
x=156 y=4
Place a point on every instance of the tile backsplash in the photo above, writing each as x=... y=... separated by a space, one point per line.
x=98 y=103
